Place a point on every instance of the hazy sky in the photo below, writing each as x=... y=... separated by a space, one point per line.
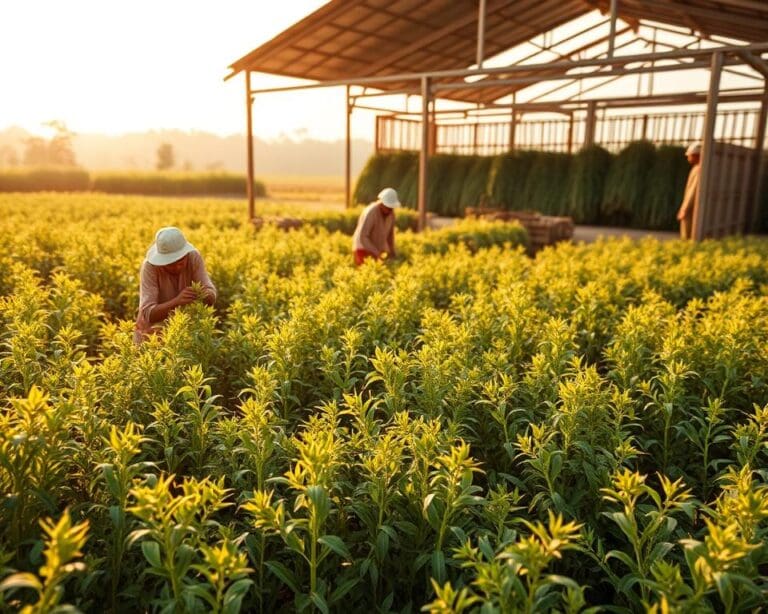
x=114 y=67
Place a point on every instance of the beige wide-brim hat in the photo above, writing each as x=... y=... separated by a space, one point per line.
x=693 y=149
x=388 y=197
x=169 y=246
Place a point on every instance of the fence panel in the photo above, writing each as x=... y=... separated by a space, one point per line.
x=614 y=132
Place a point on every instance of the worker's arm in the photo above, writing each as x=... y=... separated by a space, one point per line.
x=200 y=274
x=160 y=312
x=391 y=241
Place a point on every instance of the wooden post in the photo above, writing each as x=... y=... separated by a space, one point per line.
x=589 y=128
x=249 y=121
x=759 y=167
x=703 y=199
x=645 y=126
x=377 y=134
x=348 y=158
x=570 y=134
x=424 y=154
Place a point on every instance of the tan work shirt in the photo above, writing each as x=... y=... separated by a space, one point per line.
x=157 y=286
x=375 y=232
x=691 y=190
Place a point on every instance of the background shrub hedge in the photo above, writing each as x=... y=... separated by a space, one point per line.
x=147 y=183
x=640 y=187
x=44 y=180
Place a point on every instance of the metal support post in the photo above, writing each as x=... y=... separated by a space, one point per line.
x=704 y=201
x=249 y=121
x=759 y=167
x=480 y=33
x=348 y=156
x=424 y=154
x=589 y=128
x=653 y=63
x=612 y=36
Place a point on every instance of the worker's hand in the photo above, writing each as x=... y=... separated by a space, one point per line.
x=186 y=296
x=681 y=215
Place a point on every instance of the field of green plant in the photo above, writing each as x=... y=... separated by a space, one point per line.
x=463 y=428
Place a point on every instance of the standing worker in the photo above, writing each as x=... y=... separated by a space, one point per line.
x=171 y=266
x=687 y=212
x=375 y=232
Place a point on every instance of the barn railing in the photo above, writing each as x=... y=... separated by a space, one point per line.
x=614 y=132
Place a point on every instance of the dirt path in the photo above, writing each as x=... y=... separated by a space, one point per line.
x=584 y=234
x=589 y=234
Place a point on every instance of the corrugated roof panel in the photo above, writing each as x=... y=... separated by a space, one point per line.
x=353 y=16
x=344 y=39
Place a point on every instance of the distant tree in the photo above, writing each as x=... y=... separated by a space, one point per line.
x=60 y=150
x=54 y=152
x=165 y=157
x=8 y=156
x=35 y=151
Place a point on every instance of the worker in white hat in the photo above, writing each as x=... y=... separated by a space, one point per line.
x=170 y=267
x=687 y=211
x=375 y=232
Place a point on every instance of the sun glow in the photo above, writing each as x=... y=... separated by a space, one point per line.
x=113 y=68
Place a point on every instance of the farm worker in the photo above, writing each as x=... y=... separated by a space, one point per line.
x=170 y=267
x=687 y=211
x=375 y=233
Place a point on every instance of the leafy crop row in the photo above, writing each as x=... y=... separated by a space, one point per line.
x=463 y=428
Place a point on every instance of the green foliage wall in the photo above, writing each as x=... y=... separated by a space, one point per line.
x=640 y=187
x=507 y=179
x=665 y=190
x=627 y=183
x=586 y=183
x=546 y=187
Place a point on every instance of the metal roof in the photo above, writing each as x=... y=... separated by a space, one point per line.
x=360 y=38
x=348 y=39
x=746 y=20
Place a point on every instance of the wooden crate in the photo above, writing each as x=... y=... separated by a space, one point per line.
x=542 y=229
x=547 y=230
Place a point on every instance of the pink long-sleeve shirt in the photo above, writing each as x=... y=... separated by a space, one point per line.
x=375 y=232
x=158 y=286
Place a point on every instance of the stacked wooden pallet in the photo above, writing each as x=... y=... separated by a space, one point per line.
x=542 y=229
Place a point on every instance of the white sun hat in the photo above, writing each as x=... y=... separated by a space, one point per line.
x=693 y=148
x=388 y=196
x=169 y=246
